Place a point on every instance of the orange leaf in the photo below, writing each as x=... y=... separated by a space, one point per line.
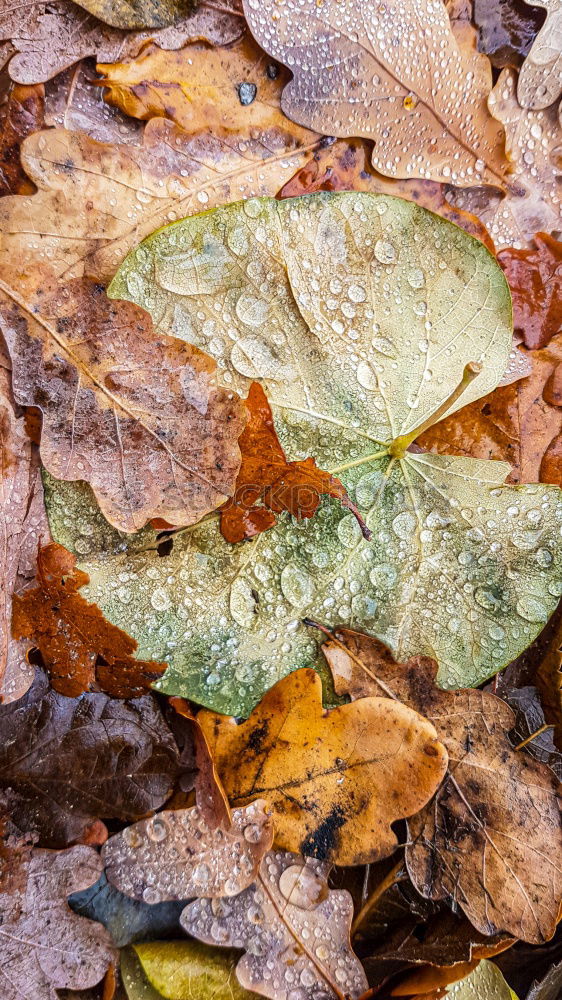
x=22 y=115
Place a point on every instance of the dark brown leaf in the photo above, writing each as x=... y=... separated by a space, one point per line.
x=535 y=280
x=21 y=115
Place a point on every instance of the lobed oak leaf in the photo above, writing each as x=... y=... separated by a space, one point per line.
x=490 y=842
x=267 y=484
x=293 y=928
x=134 y=413
x=535 y=281
x=336 y=780
x=394 y=73
x=21 y=114
x=74 y=101
x=45 y=946
x=80 y=649
x=70 y=761
x=48 y=37
x=540 y=79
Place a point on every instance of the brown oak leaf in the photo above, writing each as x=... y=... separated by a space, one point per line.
x=21 y=114
x=490 y=841
x=535 y=280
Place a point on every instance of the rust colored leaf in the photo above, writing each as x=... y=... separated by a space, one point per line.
x=393 y=73
x=336 y=780
x=48 y=37
x=96 y=201
x=132 y=412
x=23 y=526
x=70 y=761
x=293 y=928
x=535 y=280
x=267 y=484
x=227 y=90
x=490 y=842
x=45 y=945
x=81 y=650
x=20 y=116
x=506 y=29
x=516 y=423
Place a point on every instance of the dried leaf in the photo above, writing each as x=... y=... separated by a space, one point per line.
x=530 y=728
x=73 y=636
x=44 y=944
x=48 y=37
x=535 y=280
x=485 y=982
x=540 y=79
x=74 y=101
x=293 y=928
x=177 y=854
x=267 y=484
x=133 y=412
x=226 y=90
x=23 y=525
x=138 y=13
x=188 y=970
x=71 y=761
x=490 y=842
x=20 y=116
x=392 y=73
x=336 y=780
x=96 y=201
x=506 y=29
x=532 y=203
x=549 y=682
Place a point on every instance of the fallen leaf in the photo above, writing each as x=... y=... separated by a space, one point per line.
x=549 y=987
x=226 y=90
x=506 y=29
x=267 y=484
x=135 y=984
x=74 y=101
x=514 y=423
x=327 y=367
x=132 y=412
x=188 y=970
x=293 y=928
x=126 y=919
x=81 y=650
x=23 y=524
x=532 y=201
x=535 y=281
x=171 y=175
x=73 y=760
x=549 y=682
x=138 y=13
x=490 y=842
x=430 y=982
x=530 y=728
x=336 y=780
x=485 y=982
x=48 y=37
x=540 y=79
x=396 y=75
x=20 y=115
x=45 y=946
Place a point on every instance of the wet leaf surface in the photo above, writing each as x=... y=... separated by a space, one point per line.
x=126 y=919
x=506 y=29
x=485 y=840
x=74 y=101
x=540 y=79
x=336 y=780
x=21 y=114
x=72 y=760
x=535 y=280
x=486 y=982
x=188 y=970
x=138 y=13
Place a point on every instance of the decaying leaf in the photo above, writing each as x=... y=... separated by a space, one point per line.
x=532 y=202
x=48 y=37
x=138 y=13
x=393 y=304
x=226 y=90
x=20 y=115
x=169 y=176
x=336 y=780
x=293 y=928
x=188 y=970
x=44 y=944
x=73 y=636
x=134 y=413
x=393 y=73
x=23 y=525
x=519 y=423
x=267 y=484
x=540 y=79
x=549 y=681
x=491 y=841
x=484 y=983
x=506 y=29
x=74 y=101
x=535 y=281
x=531 y=729
x=72 y=760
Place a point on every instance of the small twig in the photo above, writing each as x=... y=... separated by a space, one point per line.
x=533 y=735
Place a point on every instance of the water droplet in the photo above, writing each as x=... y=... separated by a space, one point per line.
x=404 y=524
x=302 y=887
x=531 y=609
x=297 y=585
x=385 y=252
x=242 y=603
x=252 y=833
x=349 y=532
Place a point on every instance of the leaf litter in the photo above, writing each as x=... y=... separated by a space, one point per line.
x=323 y=322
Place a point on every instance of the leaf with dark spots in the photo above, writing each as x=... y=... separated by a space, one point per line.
x=21 y=114
x=268 y=484
x=535 y=280
x=81 y=650
x=329 y=776
x=70 y=761
x=133 y=412
x=490 y=842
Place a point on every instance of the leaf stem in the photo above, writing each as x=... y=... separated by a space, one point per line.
x=538 y=732
x=399 y=446
x=396 y=874
x=361 y=461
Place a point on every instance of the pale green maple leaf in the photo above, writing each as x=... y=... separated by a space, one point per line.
x=366 y=318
